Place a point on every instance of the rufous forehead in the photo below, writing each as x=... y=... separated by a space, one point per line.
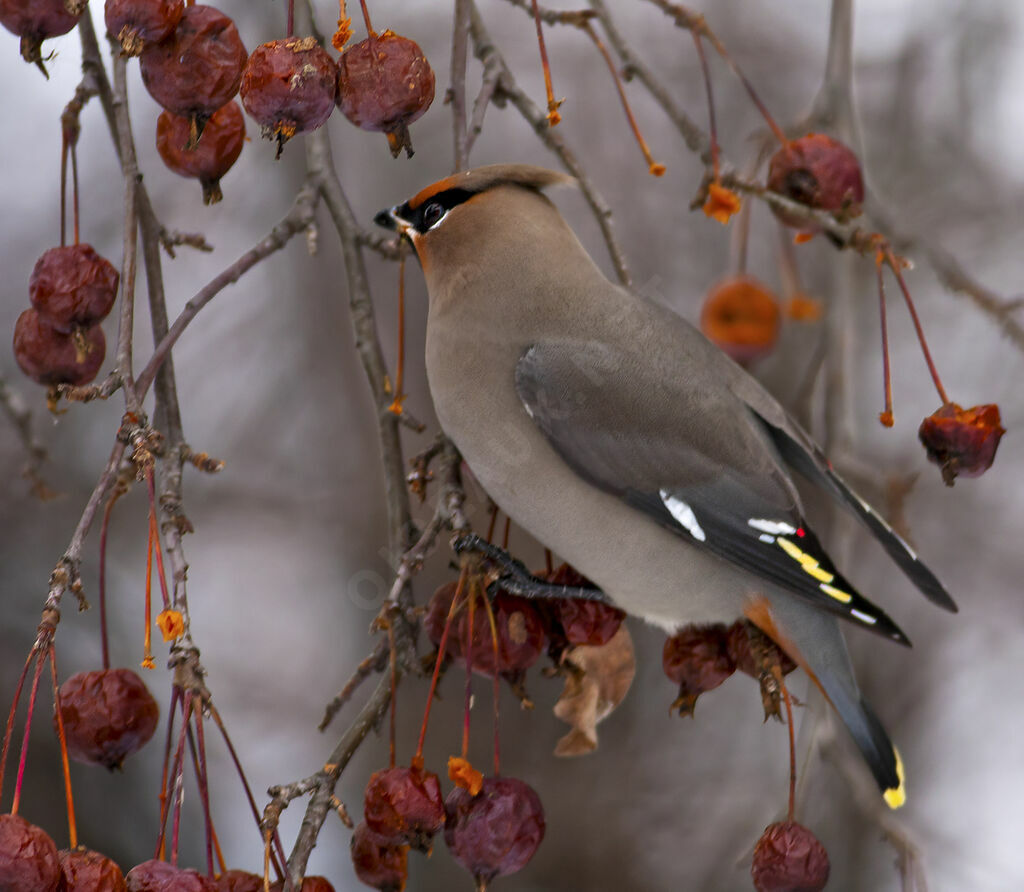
x=456 y=181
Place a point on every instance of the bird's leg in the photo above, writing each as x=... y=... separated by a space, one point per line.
x=511 y=575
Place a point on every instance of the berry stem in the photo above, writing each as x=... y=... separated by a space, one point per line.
x=74 y=188
x=291 y=18
x=894 y=265
x=215 y=715
x=653 y=167
x=459 y=588
x=147 y=635
x=63 y=189
x=549 y=562
x=104 y=528
x=178 y=776
x=886 y=417
x=777 y=672
x=366 y=18
x=701 y=27
x=553 y=116
x=65 y=767
x=396 y=403
x=10 y=717
x=197 y=749
x=496 y=694
x=161 y=575
x=176 y=694
x=28 y=727
x=473 y=589
x=712 y=123
x=505 y=535
x=392 y=660
x=492 y=523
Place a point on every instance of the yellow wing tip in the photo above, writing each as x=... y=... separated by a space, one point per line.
x=895 y=797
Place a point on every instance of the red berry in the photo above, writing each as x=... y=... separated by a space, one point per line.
x=962 y=442
x=28 y=857
x=378 y=863
x=741 y=316
x=437 y=615
x=384 y=84
x=36 y=20
x=49 y=357
x=198 y=68
x=820 y=172
x=750 y=656
x=239 y=881
x=579 y=620
x=73 y=287
x=520 y=631
x=789 y=858
x=496 y=832
x=108 y=715
x=214 y=155
x=136 y=23
x=159 y=876
x=288 y=87
x=83 y=870
x=404 y=806
x=697 y=659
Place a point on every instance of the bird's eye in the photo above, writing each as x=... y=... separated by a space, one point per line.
x=432 y=213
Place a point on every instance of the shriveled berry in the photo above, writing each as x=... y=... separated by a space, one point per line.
x=49 y=357
x=108 y=715
x=136 y=23
x=697 y=659
x=309 y=884
x=962 y=442
x=83 y=870
x=160 y=876
x=288 y=87
x=239 y=881
x=579 y=620
x=36 y=20
x=198 y=68
x=73 y=287
x=742 y=317
x=818 y=171
x=520 y=635
x=377 y=863
x=789 y=858
x=751 y=650
x=28 y=857
x=437 y=615
x=216 y=152
x=519 y=625
x=404 y=806
x=385 y=83
x=496 y=832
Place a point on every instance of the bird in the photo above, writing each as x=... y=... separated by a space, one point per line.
x=617 y=435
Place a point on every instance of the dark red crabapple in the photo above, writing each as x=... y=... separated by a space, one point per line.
x=73 y=287
x=217 y=151
x=136 y=23
x=28 y=857
x=384 y=84
x=50 y=357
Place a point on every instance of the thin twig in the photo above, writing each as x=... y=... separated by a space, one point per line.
x=487 y=52
x=457 y=89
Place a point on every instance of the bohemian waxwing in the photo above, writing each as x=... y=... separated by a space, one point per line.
x=618 y=436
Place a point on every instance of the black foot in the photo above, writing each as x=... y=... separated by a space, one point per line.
x=513 y=577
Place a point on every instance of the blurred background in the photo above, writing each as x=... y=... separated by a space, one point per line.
x=288 y=560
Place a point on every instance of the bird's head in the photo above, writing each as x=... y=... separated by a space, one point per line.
x=479 y=217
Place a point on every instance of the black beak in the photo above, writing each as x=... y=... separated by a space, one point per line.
x=386 y=219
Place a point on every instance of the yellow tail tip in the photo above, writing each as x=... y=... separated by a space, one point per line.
x=897 y=796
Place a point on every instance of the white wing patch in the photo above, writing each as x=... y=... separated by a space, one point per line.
x=683 y=514
x=772 y=527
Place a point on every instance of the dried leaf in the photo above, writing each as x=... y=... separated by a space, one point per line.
x=171 y=624
x=596 y=681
